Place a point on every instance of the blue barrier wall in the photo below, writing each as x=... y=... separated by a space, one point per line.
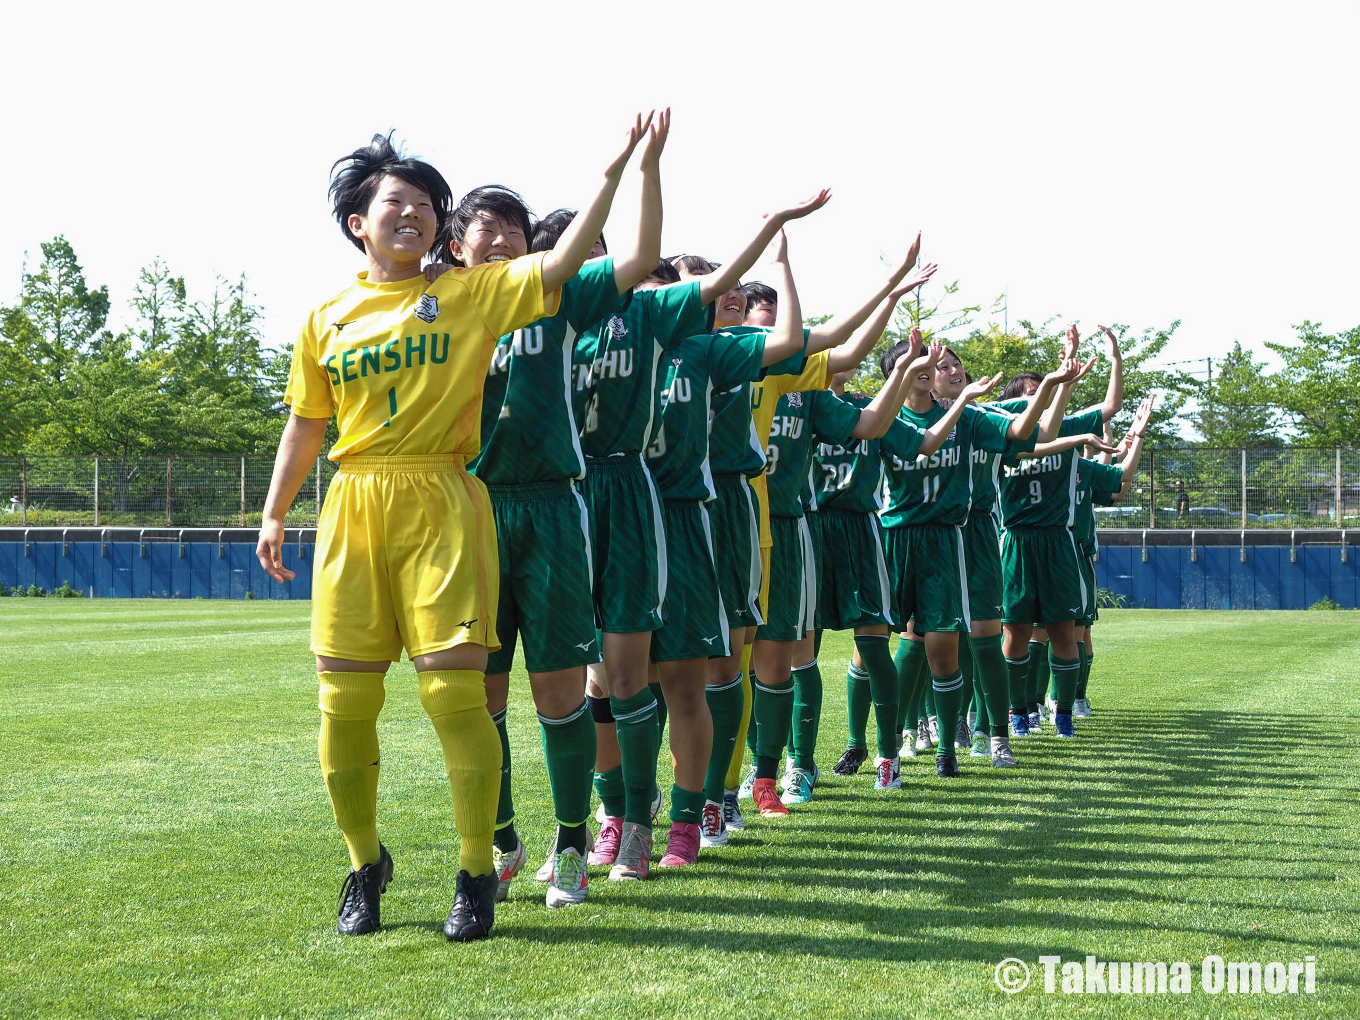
x=1218 y=579
x=156 y=569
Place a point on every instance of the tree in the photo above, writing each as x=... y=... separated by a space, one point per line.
x=1318 y=390
x=1234 y=408
x=158 y=299
x=64 y=315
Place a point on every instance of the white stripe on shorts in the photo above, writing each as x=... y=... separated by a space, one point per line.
x=722 y=613
x=963 y=579
x=753 y=592
x=884 y=584
x=662 y=564
x=807 y=612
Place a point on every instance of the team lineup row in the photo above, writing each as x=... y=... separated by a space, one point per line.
x=651 y=479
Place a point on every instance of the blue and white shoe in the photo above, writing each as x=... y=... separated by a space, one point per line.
x=1082 y=709
x=798 y=790
x=732 y=819
x=1019 y=724
x=1063 y=722
x=744 y=791
x=1036 y=722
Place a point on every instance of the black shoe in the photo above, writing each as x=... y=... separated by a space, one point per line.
x=947 y=767
x=359 y=904
x=474 y=908
x=850 y=761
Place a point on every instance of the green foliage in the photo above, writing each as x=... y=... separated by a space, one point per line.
x=1318 y=390
x=1326 y=605
x=1234 y=407
x=1106 y=599
x=67 y=592
x=4 y=590
x=34 y=591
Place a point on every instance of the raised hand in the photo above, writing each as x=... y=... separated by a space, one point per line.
x=1111 y=343
x=779 y=248
x=915 y=279
x=1142 y=416
x=635 y=134
x=1095 y=442
x=913 y=253
x=656 y=142
x=980 y=387
x=437 y=269
x=1071 y=342
x=804 y=208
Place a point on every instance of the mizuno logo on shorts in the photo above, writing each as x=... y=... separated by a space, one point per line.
x=710 y=640
x=586 y=644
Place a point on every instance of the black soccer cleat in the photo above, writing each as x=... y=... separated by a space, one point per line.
x=474 y=908
x=359 y=896
x=947 y=766
x=850 y=761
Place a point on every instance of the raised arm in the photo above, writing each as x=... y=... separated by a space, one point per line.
x=786 y=338
x=729 y=274
x=634 y=264
x=565 y=259
x=1051 y=385
x=1114 y=391
x=877 y=417
x=1129 y=465
x=837 y=331
x=849 y=354
x=1065 y=443
x=299 y=447
x=939 y=432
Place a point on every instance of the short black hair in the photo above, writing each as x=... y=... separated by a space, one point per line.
x=664 y=273
x=695 y=265
x=757 y=292
x=549 y=230
x=355 y=179
x=903 y=348
x=496 y=199
x=1016 y=387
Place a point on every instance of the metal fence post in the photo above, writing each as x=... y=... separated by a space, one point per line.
x=243 y=491
x=23 y=492
x=1244 y=487
x=96 y=490
x=167 y=490
x=1152 y=488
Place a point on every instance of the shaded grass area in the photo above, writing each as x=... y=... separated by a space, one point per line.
x=172 y=853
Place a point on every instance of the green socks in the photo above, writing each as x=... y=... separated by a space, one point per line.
x=660 y=714
x=1017 y=683
x=885 y=689
x=725 y=705
x=609 y=788
x=771 y=719
x=991 y=672
x=506 y=838
x=639 y=742
x=569 y=753
x=1066 y=674
x=751 y=726
x=1086 y=657
x=857 y=701
x=687 y=806
x=949 y=692
x=1038 y=674
x=910 y=660
x=807 y=713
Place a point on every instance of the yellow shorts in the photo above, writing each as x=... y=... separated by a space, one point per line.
x=765 y=582
x=405 y=556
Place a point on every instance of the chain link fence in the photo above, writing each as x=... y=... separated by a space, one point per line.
x=1176 y=488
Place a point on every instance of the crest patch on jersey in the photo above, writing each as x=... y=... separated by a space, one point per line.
x=952 y=434
x=428 y=309
x=677 y=362
x=795 y=400
x=617 y=330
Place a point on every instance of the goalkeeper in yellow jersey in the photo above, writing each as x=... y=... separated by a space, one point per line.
x=406 y=545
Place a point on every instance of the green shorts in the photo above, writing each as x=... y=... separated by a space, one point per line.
x=1086 y=561
x=736 y=549
x=926 y=564
x=543 y=532
x=982 y=554
x=1041 y=576
x=793 y=594
x=630 y=544
x=855 y=590
x=695 y=624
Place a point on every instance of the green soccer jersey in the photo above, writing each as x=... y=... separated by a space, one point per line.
x=698 y=365
x=937 y=489
x=800 y=419
x=528 y=427
x=1096 y=483
x=616 y=362
x=849 y=476
x=986 y=464
x=1041 y=492
x=736 y=449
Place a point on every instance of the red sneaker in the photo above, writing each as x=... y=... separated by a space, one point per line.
x=767 y=799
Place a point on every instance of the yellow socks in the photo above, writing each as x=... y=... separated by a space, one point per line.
x=348 y=746
x=456 y=702
x=739 y=751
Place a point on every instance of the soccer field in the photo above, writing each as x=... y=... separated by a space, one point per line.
x=170 y=851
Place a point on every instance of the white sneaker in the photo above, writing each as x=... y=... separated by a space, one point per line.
x=744 y=793
x=889 y=774
x=962 y=735
x=1002 y=758
x=545 y=873
x=732 y=816
x=922 y=736
x=1082 y=709
x=972 y=721
x=635 y=854
x=507 y=867
x=658 y=802
x=569 y=880
x=712 y=829
x=788 y=773
x=933 y=727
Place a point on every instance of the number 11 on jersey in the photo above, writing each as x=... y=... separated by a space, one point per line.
x=391 y=406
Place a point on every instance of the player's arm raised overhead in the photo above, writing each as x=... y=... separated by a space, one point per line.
x=939 y=432
x=849 y=354
x=1051 y=421
x=1133 y=443
x=565 y=259
x=786 y=335
x=836 y=331
x=299 y=447
x=632 y=264
x=1114 y=390
x=1050 y=387
x=729 y=274
x=877 y=417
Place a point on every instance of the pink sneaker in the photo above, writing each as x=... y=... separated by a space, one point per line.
x=682 y=847
x=607 y=842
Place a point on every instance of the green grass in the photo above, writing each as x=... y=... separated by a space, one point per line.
x=169 y=850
